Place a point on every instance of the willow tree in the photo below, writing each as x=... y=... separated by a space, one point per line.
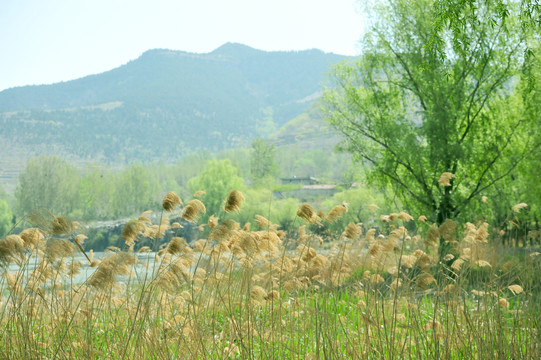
x=460 y=108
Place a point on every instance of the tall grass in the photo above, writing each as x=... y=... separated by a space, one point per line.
x=253 y=291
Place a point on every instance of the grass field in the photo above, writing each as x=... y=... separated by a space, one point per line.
x=255 y=292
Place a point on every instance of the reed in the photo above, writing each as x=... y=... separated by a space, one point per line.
x=241 y=293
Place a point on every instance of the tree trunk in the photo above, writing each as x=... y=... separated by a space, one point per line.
x=445 y=211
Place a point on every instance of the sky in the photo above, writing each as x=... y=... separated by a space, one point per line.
x=48 y=41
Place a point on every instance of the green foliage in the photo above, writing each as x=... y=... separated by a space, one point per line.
x=449 y=12
x=265 y=124
x=326 y=165
x=47 y=182
x=133 y=191
x=217 y=179
x=190 y=166
x=303 y=148
x=5 y=214
x=101 y=193
x=263 y=167
x=95 y=194
x=358 y=201
x=5 y=217
x=414 y=114
x=261 y=202
x=239 y=157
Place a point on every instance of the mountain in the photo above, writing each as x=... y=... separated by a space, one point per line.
x=308 y=130
x=162 y=105
x=225 y=96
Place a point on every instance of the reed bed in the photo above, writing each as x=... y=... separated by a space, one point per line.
x=252 y=291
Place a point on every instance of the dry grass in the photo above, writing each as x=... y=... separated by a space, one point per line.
x=241 y=294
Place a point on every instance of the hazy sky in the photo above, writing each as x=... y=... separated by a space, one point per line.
x=46 y=41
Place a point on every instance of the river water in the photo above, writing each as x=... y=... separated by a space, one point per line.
x=140 y=271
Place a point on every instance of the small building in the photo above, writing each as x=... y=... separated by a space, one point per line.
x=301 y=180
x=306 y=189
x=308 y=192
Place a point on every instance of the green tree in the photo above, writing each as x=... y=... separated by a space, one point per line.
x=96 y=193
x=414 y=114
x=133 y=191
x=358 y=200
x=47 y=182
x=217 y=179
x=449 y=12
x=262 y=160
x=262 y=202
x=5 y=214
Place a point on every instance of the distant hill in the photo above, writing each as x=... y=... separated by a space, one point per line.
x=162 y=105
x=308 y=130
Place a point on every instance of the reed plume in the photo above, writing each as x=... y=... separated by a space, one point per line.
x=175 y=245
x=370 y=236
x=59 y=248
x=61 y=225
x=11 y=247
x=144 y=218
x=481 y=234
x=158 y=231
x=112 y=266
x=306 y=212
x=224 y=231
x=517 y=207
x=262 y=222
x=445 y=179
x=193 y=210
x=448 y=230
x=405 y=216
x=32 y=238
x=424 y=280
x=258 y=293
x=503 y=303
x=273 y=295
x=422 y=259
x=247 y=243
x=74 y=268
x=213 y=221
x=176 y=225
x=132 y=230
x=433 y=235
x=336 y=212
x=233 y=201
x=352 y=231
x=171 y=201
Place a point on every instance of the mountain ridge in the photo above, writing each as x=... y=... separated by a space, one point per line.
x=16 y=98
x=162 y=105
